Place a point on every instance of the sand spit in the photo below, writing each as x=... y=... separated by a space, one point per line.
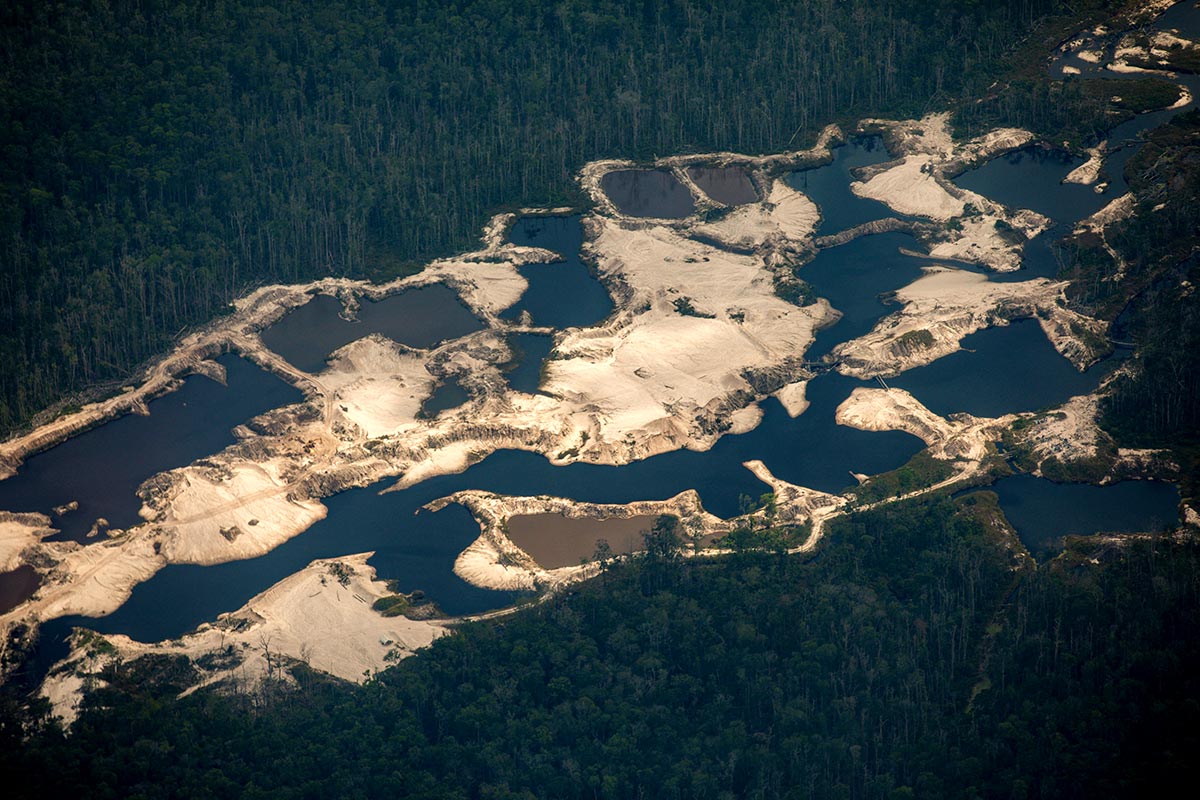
x=793 y=398
x=945 y=305
x=1087 y=173
x=963 y=439
x=321 y=616
x=797 y=505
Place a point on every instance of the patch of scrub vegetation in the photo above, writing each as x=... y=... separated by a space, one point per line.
x=794 y=290
x=910 y=341
x=684 y=306
x=414 y=605
x=922 y=470
x=341 y=573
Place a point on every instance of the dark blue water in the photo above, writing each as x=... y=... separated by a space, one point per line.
x=852 y=277
x=102 y=468
x=420 y=317
x=1032 y=178
x=1000 y=371
x=829 y=186
x=1043 y=511
x=564 y=294
x=448 y=394
x=529 y=353
x=648 y=193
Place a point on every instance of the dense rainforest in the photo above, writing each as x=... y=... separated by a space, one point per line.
x=918 y=654
x=161 y=157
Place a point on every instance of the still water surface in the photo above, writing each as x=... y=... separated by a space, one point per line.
x=102 y=468
x=648 y=193
x=420 y=317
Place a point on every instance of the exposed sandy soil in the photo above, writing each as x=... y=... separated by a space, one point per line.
x=19 y=532
x=963 y=439
x=321 y=616
x=945 y=305
x=918 y=184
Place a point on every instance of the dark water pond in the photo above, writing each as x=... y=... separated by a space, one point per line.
x=448 y=394
x=564 y=294
x=852 y=277
x=728 y=185
x=420 y=317
x=998 y=371
x=530 y=350
x=17 y=586
x=1043 y=511
x=648 y=193
x=102 y=468
x=829 y=186
x=553 y=540
x=1032 y=178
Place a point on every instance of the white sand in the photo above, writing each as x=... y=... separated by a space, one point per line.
x=964 y=440
x=308 y=617
x=1087 y=173
x=18 y=532
x=792 y=398
x=910 y=188
x=945 y=305
x=786 y=214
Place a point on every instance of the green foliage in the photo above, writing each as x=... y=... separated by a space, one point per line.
x=921 y=470
x=769 y=539
x=1076 y=112
x=341 y=573
x=392 y=606
x=914 y=340
x=683 y=305
x=794 y=290
x=1157 y=402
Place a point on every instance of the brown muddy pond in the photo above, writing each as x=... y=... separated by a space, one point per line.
x=17 y=586
x=728 y=185
x=553 y=540
x=648 y=193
